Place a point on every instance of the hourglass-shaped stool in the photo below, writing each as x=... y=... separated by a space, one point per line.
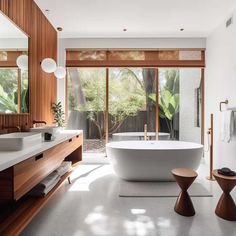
x=226 y=208
x=184 y=178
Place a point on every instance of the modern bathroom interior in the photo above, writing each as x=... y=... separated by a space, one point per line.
x=117 y=118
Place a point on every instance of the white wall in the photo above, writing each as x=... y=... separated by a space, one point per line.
x=220 y=84
x=145 y=43
x=134 y=42
x=189 y=80
x=13 y=43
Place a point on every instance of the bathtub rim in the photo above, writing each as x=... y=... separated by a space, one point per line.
x=140 y=148
x=137 y=134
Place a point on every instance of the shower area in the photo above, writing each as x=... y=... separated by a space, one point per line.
x=112 y=95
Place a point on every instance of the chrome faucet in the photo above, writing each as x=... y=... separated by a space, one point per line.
x=145 y=132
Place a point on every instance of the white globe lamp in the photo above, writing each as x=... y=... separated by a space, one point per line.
x=48 y=65
x=22 y=62
x=60 y=72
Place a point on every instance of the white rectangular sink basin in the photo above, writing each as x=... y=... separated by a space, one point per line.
x=46 y=129
x=18 y=141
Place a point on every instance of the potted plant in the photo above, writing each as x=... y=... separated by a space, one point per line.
x=58 y=113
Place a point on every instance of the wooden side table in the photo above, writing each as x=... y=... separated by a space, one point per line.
x=184 y=178
x=226 y=208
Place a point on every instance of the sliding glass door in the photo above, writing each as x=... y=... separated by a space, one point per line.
x=114 y=104
x=180 y=103
x=130 y=102
x=87 y=105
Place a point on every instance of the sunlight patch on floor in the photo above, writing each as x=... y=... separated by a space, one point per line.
x=86 y=175
x=163 y=222
x=138 y=211
x=142 y=226
x=99 y=222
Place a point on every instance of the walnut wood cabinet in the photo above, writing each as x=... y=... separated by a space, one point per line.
x=17 y=180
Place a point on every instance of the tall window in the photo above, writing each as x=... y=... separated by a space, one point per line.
x=130 y=104
x=112 y=92
x=86 y=105
x=180 y=103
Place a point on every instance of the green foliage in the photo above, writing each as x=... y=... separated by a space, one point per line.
x=24 y=92
x=94 y=89
x=168 y=99
x=72 y=101
x=24 y=100
x=59 y=115
x=126 y=96
x=8 y=80
x=9 y=91
x=7 y=102
x=168 y=104
x=172 y=80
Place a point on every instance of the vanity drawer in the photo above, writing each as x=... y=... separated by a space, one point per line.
x=74 y=143
x=30 y=172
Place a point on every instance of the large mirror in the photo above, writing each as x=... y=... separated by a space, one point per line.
x=14 y=86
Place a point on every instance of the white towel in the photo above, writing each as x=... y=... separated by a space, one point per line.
x=64 y=168
x=37 y=191
x=49 y=180
x=227 y=125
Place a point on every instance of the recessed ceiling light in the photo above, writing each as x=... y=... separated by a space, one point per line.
x=124 y=30
x=59 y=28
x=182 y=29
x=47 y=11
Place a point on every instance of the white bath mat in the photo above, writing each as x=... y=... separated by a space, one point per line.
x=159 y=189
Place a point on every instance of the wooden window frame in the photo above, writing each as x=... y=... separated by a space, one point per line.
x=155 y=64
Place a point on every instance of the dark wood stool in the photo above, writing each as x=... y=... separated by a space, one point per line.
x=226 y=208
x=184 y=177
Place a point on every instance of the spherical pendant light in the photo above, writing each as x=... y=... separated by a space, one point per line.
x=48 y=65
x=22 y=62
x=60 y=72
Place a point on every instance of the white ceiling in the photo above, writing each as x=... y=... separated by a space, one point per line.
x=141 y=18
x=8 y=29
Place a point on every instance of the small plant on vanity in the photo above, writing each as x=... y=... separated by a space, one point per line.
x=58 y=113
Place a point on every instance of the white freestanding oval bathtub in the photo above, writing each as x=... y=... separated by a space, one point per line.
x=152 y=160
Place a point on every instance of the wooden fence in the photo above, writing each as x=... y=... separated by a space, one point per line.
x=80 y=120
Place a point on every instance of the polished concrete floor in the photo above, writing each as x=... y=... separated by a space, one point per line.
x=91 y=206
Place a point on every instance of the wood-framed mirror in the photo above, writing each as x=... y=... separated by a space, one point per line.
x=14 y=82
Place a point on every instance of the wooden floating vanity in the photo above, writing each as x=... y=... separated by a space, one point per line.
x=20 y=171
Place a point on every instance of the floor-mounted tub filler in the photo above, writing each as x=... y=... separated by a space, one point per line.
x=152 y=160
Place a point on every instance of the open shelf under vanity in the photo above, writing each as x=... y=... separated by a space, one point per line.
x=17 y=207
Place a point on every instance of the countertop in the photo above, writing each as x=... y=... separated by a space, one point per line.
x=10 y=158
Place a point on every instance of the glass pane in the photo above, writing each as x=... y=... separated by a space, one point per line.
x=86 y=105
x=3 y=56
x=130 y=103
x=90 y=55
x=169 y=55
x=24 y=92
x=180 y=103
x=190 y=105
x=8 y=90
x=190 y=55
x=126 y=55
x=168 y=102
